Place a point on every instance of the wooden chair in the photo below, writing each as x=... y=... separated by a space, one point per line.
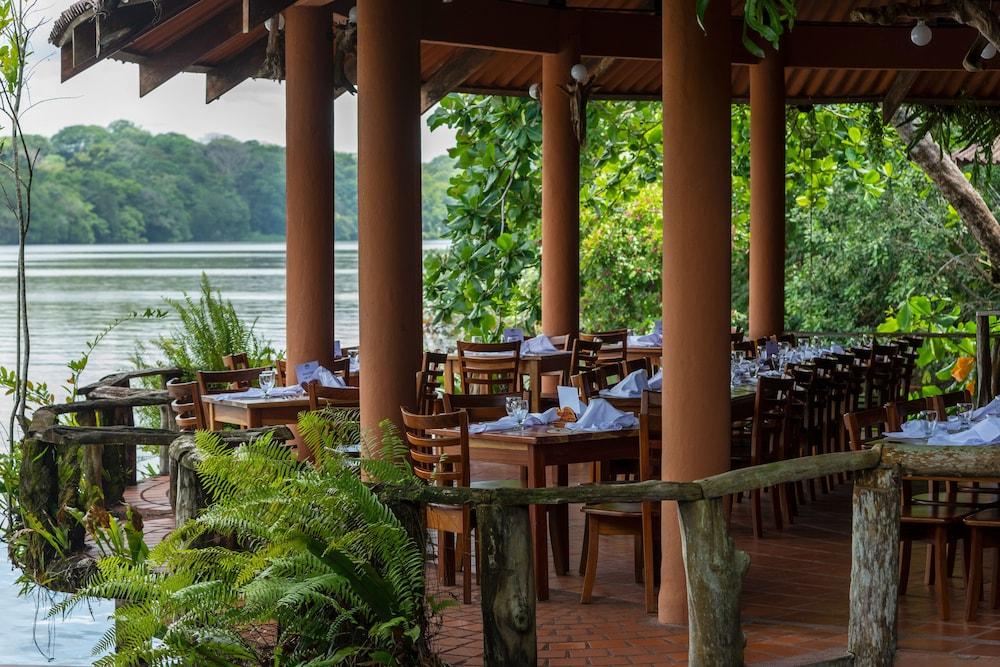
x=645 y=363
x=588 y=384
x=585 y=355
x=984 y=533
x=865 y=426
x=901 y=411
x=189 y=412
x=497 y=373
x=444 y=461
x=480 y=407
x=220 y=382
x=236 y=361
x=332 y=397
x=767 y=444
x=563 y=342
x=430 y=379
x=635 y=519
x=747 y=347
x=944 y=401
x=614 y=345
x=280 y=373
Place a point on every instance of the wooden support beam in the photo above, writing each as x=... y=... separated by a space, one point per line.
x=255 y=12
x=451 y=75
x=170 y=61
x=900 y=88
x=234 y=71
x=984 y=360
x=973 y=61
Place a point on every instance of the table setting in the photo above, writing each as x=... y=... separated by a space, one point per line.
x=967 y=428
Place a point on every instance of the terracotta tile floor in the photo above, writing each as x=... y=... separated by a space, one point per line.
x=795 y=606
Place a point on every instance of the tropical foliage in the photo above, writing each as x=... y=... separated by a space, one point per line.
x=293 y=563
x=122 y=184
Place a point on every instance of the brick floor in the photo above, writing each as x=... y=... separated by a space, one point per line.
x=795 y=598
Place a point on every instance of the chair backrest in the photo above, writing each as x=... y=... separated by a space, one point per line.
x=941 y=403
x=236 y=361
x=650 y=435
x=441 y=460
x=480 y=407
x=644 y=363
x=189 y=412
x=280 y=373
x=588 y=384
x=770 y=416
x=336 y=397
x=342 y=368
x=429 y=381
x=747 y=347
x=585 y=355
x=735 y=336
x=489 y=368
x=898 y=412
x=563 y=342
x=864 y=426
x=614 y=345
x=220 y=382
x=611 y=373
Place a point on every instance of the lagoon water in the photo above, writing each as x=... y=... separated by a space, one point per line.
x=74 y=292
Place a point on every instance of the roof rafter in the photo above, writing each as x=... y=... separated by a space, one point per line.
x=234 y=71
x=451 y=75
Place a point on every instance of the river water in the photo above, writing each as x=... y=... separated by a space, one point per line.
x=73 y=292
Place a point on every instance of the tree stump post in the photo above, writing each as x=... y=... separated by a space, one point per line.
x=871 y=636
x=714 y=569
x=39 y=491
x=93 y=457
x=507 y=586
x=984 y=361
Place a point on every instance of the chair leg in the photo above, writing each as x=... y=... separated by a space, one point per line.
x=929 y=566
x=952 y=556
x=648 y=562
x=974 y=578
x=446 y=558
x=905 y=547
x=755 y=514
x=593 y=544
x=637 y=558
x=466 y=554
x=941 y=570
x=583 y=550
x=776 y=505
x=995 y=582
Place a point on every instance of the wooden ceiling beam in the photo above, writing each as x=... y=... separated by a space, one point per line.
x=900 y=88
x=451 y=75
x=234 y=71
x=185 y=51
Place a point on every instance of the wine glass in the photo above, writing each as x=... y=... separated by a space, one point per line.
x=511 y=405
x=964 y=414
x=266 y=380
x=520 y=412
x=352 y=356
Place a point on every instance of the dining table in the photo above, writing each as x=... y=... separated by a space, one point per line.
x=252 y=412
x=534 y=366
x=537 y=448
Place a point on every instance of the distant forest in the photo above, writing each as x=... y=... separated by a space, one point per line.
x=122 y=184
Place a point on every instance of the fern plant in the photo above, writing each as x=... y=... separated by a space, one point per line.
x=293 y=563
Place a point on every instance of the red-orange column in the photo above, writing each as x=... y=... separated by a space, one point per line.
x=309 y=185
x=389 y=214
x=697 y=191
x=560 y=197
x=767 y=197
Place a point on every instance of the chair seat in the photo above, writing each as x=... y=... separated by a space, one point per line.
x=970 y=498
x=496 y=484
x=613 y=509
x=935 y=514
x=984 y=519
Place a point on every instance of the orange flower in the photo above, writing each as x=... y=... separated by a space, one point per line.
x=963 y=367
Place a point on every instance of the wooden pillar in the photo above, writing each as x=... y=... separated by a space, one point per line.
x=560 y=196
x=389 y=213
x=309 y=293
x=767 y=196
x=697 y=190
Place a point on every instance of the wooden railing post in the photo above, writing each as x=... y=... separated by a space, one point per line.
x=507 y=586
x=984 y=360
x=715 y=569
x=874 y=567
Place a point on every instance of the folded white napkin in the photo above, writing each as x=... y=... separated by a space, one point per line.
x=602 y=416
x=255 y=393
x=986 y=432
x=328 y=379
x=991 y=408
x=837 y=349
x=507 y=423
x=486 y=354
x=540 y=344
x=911 y=430
x=631 y=386
x=649 y=340
x=656 y=382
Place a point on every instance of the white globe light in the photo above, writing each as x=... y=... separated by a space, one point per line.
x=921 y=34
x=352 y=15
x=578 y=72
x=989 y=51
x=534 y=91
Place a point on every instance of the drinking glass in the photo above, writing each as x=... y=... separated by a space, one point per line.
x=964 y=414
x=511 y=405
x=352 y=356
x=929 y=419
x=520 y=412
x=266 y=381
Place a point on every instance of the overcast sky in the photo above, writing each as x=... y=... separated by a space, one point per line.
x=110 y=90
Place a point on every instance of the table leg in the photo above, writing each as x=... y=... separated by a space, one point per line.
x=559 y=526
x=254 y=419
x=538 y=513
x=535 y=378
